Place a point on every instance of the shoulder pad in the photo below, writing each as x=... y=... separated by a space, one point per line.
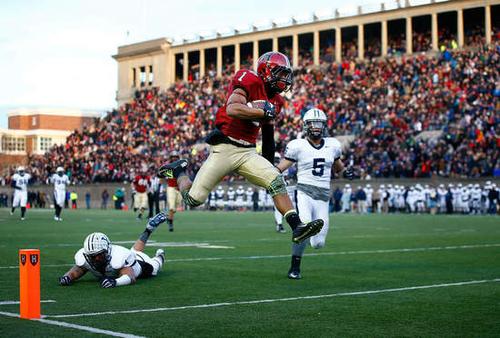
x=79 y=258
x=121 y=257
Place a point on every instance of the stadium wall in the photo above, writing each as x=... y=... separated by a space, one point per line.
x=96 y=189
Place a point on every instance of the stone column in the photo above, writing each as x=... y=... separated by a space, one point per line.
x=434 y=28
x=460 y=28
x=295 y=51
x=409 y=36
x=202 y=63
x=275 y=44
x=361 y=42
x=185 y=66
x=219 y=61
x=173 y=67
x=255 y=54
x=487 y=23
x=338 y=44
x=316 y=48
x=146 y=83
x=383 y=39
x=236 y=57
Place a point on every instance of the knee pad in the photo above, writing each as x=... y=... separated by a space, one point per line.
x=277 y=186
x=189 y=200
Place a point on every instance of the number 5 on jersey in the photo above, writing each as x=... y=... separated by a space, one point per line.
x=318 y=167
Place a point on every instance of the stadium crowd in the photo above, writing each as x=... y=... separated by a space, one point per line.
x=385 y=103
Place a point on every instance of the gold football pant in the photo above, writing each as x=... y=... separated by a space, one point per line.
x=227 y=158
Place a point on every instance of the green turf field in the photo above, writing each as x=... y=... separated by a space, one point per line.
x=225 y=276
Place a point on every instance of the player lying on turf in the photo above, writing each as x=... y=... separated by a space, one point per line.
x=316 y=156
x=115 y=265
x=253 y=103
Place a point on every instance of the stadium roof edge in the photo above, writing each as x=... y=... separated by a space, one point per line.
x=144 y=47
x=53 y=111
x=338 y=14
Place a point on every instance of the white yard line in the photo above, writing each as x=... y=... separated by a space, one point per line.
x=77 y=327
x=275 y=300
x=14 y=302
x=337 y=253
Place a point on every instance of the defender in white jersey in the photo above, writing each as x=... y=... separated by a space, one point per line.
x=115 y=265
x=19 y=182
x=316 y=157
x=60 y=181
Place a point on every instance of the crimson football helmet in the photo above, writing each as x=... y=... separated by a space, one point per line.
x=275 y=70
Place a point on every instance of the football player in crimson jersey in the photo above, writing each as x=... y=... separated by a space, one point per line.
x=174 y=197
x=253 y=101
x=141 y=184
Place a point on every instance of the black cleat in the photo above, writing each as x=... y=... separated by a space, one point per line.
x=294 y=274
x=304 y=231
x=172 y=170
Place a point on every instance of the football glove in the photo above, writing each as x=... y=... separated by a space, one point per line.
x=349 y=173
x=267 y=107
x=269 y=111
x=108 y=282
x=65 y=280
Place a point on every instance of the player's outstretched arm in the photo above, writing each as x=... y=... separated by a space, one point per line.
x=284 y=164
x=73 y=274
x=237 y=107
x=268 y=144
x=127 y=277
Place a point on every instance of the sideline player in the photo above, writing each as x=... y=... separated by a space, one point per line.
x=115 y=265
x=141 y=185
x=60 y=181
x=253 y=102
x=315 y=157
x=174 y=197
x=19 y=182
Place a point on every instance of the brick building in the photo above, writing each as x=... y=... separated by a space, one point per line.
x=34 y=131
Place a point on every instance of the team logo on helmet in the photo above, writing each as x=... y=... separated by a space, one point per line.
x=275 y=70
x=314 y=123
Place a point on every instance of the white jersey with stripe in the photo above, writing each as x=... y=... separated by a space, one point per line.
x=22 y=181
x=60 y=182
x=314 y=162
x=121 y=257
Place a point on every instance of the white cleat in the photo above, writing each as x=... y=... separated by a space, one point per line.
x=22 y=218
x=160 y=253
x=56 y=218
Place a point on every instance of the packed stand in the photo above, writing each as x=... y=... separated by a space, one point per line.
x=386 y=104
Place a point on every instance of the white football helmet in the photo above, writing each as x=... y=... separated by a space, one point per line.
x=20 y=170
x=315 y=123
x=97 y=250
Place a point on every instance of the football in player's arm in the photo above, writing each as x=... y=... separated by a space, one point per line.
x=316 y=157
x=115 y=265
x=253 y=101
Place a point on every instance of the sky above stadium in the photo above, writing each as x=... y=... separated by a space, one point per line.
x=58 y=53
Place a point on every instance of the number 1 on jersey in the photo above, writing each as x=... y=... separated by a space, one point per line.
x=242 y=76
